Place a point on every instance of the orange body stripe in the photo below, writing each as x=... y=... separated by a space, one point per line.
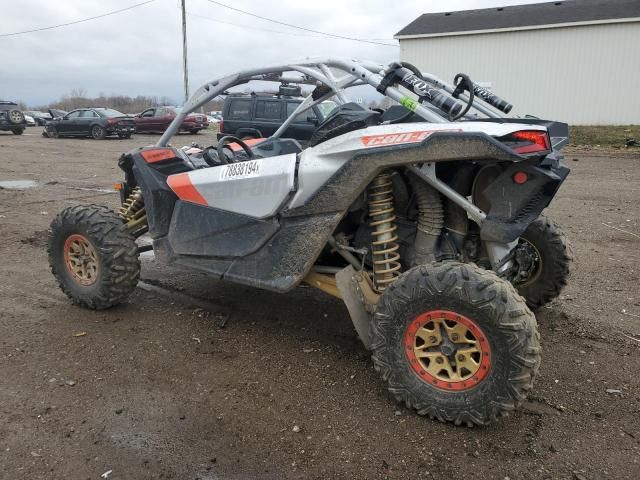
x=181 y=185
x=157 y=155
x=251 y=142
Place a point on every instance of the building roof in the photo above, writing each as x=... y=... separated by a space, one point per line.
x=537 y=15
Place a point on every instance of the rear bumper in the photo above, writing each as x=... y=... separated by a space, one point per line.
x=194 y=125
x=121 y=129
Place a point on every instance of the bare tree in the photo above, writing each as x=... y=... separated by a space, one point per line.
x=77 y=98
x=78 y=92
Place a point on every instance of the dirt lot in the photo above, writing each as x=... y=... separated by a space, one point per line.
x=157 y=388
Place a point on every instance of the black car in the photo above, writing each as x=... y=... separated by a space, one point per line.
x=11 y=118
x=257 y=115
x=95 y=122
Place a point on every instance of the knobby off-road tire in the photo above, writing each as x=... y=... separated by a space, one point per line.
x=497 y=317
x=96 y=235
x=553 y=270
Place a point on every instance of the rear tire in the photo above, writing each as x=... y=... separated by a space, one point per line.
x=194 y=132
x=18 y=131
x=485 y=314
x=552 y=247
x=93 y=256
x=98 y=133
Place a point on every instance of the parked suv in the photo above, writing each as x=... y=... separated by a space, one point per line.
x=260 y=115
x=11 y=118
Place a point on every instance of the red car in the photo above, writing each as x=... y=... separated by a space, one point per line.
x=157 y=119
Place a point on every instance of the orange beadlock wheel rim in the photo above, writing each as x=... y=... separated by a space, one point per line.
x=447 y=350
x=81 y=259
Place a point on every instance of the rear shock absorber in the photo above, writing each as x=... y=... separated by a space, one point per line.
x=384 y=247
x=133 y=213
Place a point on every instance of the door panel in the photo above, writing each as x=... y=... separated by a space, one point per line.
x=268 y=115
x=144 y=123
x=68 y=125
x=206 y=231
x=303 y=125
x=86 y=120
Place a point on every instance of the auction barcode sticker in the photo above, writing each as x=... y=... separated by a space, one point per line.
x=246 y=169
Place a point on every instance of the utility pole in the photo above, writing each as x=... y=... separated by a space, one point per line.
x=184 y=51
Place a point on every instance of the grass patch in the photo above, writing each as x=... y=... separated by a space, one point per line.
x=606 y=136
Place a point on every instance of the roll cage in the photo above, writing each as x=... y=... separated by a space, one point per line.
x=336 y=75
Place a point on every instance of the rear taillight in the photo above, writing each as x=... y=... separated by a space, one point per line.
x=528 y=141
x=221 y=126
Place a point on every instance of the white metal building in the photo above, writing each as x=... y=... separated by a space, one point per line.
x=576 y=60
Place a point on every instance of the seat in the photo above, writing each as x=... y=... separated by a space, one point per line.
x=346 y=118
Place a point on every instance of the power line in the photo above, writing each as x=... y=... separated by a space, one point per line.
x=300 y=28
x=249 y=27
x=76 y=21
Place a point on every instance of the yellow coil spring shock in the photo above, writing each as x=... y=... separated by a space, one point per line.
x=384 y=248
x=133 y=213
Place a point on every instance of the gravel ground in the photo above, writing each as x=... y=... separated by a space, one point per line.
x=158 y=388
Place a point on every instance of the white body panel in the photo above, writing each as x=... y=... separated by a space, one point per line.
x=256 y=188
x=319 y=163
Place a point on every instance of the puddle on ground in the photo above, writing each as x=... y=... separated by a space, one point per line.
x=17 y=184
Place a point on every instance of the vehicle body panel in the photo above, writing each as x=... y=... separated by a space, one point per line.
x=319 y=163
x=255 y=188
x=157 y=119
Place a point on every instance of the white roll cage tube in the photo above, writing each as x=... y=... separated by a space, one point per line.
x=356 y=72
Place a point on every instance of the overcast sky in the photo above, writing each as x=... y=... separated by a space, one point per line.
x=138 y=52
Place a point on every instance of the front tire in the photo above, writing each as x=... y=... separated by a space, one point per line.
x=98 y=133
x=124 y=136
x=18 y=131
x=93 y=256
x=456 y=343
x=545 y=242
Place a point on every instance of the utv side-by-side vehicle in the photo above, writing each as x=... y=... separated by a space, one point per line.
x=427 y=224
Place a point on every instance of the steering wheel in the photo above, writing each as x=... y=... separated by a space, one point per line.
x=224 y=141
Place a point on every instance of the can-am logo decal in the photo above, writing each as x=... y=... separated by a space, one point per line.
x=395 y=138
